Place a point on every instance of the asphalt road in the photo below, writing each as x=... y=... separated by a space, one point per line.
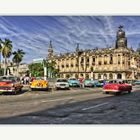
x=75 y=106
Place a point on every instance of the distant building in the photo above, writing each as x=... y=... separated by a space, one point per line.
x=12 y=68
x=116 y=62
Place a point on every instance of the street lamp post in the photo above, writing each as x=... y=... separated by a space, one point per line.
x=45 y=69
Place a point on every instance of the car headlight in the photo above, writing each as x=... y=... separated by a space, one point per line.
x=57 y=84
x=12 y=84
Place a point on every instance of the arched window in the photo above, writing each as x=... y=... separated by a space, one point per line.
x=67 y=76
x=76 y=75
x=119 y=76
x=111 y=59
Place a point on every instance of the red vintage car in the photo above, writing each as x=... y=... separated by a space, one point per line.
x=117 y=86
x=10 y=84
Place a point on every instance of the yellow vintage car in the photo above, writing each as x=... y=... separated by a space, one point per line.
x=39 y=84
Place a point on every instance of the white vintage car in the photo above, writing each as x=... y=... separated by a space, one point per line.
x=61 y=83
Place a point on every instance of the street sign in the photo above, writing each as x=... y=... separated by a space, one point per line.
x=39 y=60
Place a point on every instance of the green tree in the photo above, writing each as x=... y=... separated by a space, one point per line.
x=17 y=58
x=51 y=70
x=36 y=69
x=6 y=51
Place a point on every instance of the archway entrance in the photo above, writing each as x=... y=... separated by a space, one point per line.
x=105 y=76
x=110 y=76
x=119 y=76
x=87 y=76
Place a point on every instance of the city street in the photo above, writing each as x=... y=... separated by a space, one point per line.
x=74 y=106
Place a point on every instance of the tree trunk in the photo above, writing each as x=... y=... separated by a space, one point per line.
x=5 y=66
x=17 y=70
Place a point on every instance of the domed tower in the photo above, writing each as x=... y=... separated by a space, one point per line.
x=121 y=40
x=50 y=50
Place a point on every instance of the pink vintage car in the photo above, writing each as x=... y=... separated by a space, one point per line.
x=117 y=86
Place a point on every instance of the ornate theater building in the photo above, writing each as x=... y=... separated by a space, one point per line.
x=116 y=62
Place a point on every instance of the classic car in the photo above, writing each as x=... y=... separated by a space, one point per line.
x=10 y=84
x=130 y=82
x=92 y=83
x=39 y=83
x=73 y=82
x=61 y=83
x=100 y=83
x=136 y=82
x=117 y=87
x=88 y=83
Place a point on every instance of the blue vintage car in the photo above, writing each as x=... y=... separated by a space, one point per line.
x=100 y=83
x=93 y=83
x=73 y=82
x=136 y=82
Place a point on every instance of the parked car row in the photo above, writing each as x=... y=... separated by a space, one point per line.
x=13 y=84
x=63 y=83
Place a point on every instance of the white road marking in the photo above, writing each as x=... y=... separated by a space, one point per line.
x=45 y=101
x=91 y=107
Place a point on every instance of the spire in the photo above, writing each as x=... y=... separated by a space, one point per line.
x=77 y=47
x=50 y=49
x=50 y=45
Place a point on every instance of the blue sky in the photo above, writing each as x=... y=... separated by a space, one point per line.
x=33 y=33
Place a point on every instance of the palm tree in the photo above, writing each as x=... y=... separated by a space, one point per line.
x=51 y=70
x=6 y=51
x=17 y=58
x=0 y=52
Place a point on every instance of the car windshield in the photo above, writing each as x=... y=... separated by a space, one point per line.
x=62 y=80
x=118 y=82
x=72 y=79
x=39 y=78
x=137 y=80
x=88 y=80
x=112 y=81
x=4 y=78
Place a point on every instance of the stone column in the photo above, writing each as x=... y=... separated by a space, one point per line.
x=123 y=76
x=115 y=76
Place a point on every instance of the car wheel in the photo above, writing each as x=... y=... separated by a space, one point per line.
x=129 y=91
x=15 y=92
x=20 y=90
x=32 y=89
x=118 y=93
